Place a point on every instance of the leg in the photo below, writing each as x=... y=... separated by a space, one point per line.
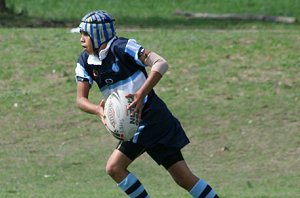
x=172 y=160
x=117 y=165
x=182 y=175
x=186 y=179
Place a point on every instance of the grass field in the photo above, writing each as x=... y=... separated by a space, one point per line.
x=236 y=91
x=150 y=13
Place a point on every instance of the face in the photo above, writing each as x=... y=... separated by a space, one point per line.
x=86 y=43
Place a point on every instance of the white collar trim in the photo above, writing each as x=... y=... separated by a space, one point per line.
x=97 y=60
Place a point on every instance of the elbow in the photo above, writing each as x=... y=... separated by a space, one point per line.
x=79 y=102
x=165 y=65
x=157 y=63
x=160 y=66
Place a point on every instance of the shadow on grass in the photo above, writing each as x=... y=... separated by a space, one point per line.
x=9 y=19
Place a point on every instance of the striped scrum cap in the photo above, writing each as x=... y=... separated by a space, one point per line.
x=100 y=27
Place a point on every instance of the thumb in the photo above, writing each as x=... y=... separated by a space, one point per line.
x=102 y=103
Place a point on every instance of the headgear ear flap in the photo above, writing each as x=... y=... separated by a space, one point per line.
x=100 y=27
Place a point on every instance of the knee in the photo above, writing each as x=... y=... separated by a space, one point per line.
x=113 y=169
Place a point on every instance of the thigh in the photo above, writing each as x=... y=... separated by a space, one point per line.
x=117 y=164
x=124 y=154
x=118 y=160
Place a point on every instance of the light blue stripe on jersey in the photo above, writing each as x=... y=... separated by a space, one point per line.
x=135 y=76
x=132 y=48
x=136 y=135
x=81 y=72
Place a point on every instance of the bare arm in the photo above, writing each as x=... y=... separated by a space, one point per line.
x=83 y=102
x=153 y=78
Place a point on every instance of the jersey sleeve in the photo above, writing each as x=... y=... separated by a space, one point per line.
x=134 y=50
x=81 y=74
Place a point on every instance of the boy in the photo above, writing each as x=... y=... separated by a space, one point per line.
x=119 y=63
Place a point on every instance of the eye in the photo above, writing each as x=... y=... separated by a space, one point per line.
x=84 y=33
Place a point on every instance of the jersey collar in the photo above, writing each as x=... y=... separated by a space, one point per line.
x=97 y=60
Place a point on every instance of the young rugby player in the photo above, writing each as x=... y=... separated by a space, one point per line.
x=119 y=63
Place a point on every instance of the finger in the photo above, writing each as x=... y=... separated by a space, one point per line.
x=103 y=120
x=102 y=103
x=139 y=115
x=141 y=111
x=102 y=116
x=131 y=105
x=129 y=96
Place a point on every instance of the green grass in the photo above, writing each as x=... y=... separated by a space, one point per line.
x=236 y=91
x=148 y=13
x=240 y=89
x=144 y=9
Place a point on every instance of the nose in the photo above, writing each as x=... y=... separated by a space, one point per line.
x=82 y=38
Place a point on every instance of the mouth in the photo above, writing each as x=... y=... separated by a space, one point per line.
x=84 y=48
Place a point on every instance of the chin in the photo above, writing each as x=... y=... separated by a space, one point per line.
x=88 y=51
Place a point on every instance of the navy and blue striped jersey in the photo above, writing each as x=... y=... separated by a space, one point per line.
x=122 y=69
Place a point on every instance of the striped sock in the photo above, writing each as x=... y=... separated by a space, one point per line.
x=203 y=190
x=133 y=187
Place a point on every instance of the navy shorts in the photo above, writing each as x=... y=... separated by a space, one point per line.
x=160 y=134
x=161 y=154
x=159 y=126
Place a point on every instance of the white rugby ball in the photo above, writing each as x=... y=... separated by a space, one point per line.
x=121 y=122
